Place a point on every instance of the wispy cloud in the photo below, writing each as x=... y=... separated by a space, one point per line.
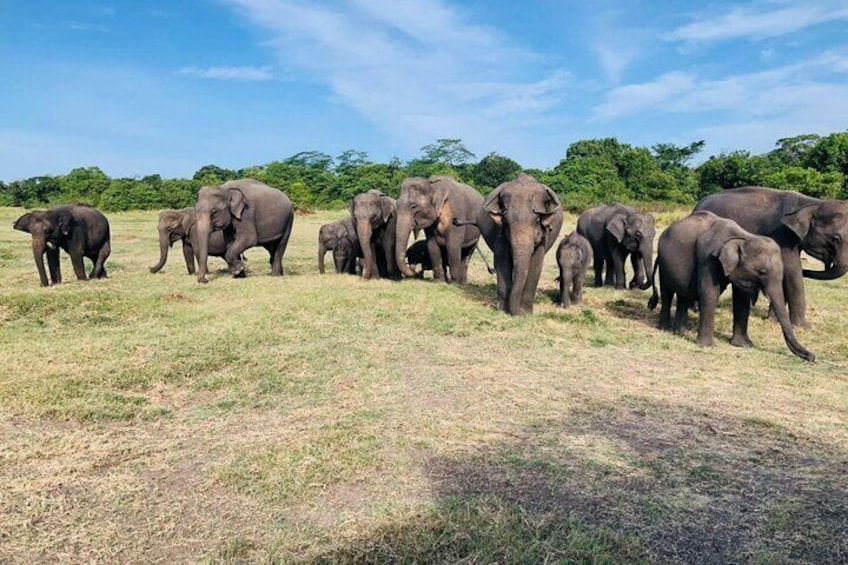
x=760 y=20
x=83 y=26
x=416 y=68
x=103 y=11
x=246 y=74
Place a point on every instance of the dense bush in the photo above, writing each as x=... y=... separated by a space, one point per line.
x=593 y=171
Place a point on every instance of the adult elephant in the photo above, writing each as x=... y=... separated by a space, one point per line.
x=432 y=204
x=80 y=230
x=699 y=256
x=616 y=231
x=797 y=223
x=340 y=235
x=179 y=225
x=250 y=213
x=374 y=216
x=520 y=221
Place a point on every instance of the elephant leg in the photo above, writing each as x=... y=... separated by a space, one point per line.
x=503 y=269
x=708 y=292
x=233 y=257
x=78 y=265
x=99 y=269
x=434 y=251
x=563 y=299
x=598 y=266
x=793 y=287
x=666 y=298
x=681 y=315
x=741 y=312
x=188 y=255
x=53 y=266
x=280 y=250
x=528 y=297
x=453 y=245
x=577 y=287
x=618 y=259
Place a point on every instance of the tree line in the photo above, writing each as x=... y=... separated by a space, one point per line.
x=593 y=171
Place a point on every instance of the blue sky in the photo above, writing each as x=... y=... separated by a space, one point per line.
x=169 y=86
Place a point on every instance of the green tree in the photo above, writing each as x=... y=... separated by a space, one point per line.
x=794 y=151
x=84 y=184
x=492 y=170
x=213 y=175
x=670 y=156
x=449 y=151
x=731 y=170
x=806 y=180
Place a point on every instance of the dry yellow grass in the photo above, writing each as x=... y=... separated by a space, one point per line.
x=327 y=419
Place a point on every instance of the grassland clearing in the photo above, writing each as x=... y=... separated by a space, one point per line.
x=323 y=418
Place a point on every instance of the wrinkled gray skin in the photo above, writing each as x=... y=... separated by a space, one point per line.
x=797 y=223
x=520 y=222
x=418 y=255
x=340 y=238
x=432 y=204
x=374 y=216
x=179 y=225
x=616 y=231
x=699 y=256
x=573 y=255
x=80 y=230
x=249 y=213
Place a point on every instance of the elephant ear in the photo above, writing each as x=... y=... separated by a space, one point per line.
x=440 y=193
x=387 y=208
x=550 y=205
x=616 y=226
x=237 y=203
x=492 y=204
x=800 y=220
x=22 y=223
x=65 y=222
x=730 y=254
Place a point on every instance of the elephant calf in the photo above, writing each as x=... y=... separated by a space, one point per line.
x=80 y=230
x=340 y=238
x=179 y=225
x=699 y=256
x=573 y=256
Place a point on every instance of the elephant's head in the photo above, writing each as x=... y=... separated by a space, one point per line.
x=635 y=231
x=216 y=209
x=48 y=228
x=421 y=204
x=174 y=225
x=529 y=215
x=753 y=263
x=330 y=236
x=823 y=231
x=371 y=212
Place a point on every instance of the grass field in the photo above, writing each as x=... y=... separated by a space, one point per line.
x=321 y=419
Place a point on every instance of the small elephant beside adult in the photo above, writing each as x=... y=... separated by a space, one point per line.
x=520 y=221
x=573 y=255
x=614 y=232
x=699 y=256
x=82 y=231
x=179 y=225
x=340 y=238
x=374 y=217
x=249 y=213
x=446 y=210
x=796 y=222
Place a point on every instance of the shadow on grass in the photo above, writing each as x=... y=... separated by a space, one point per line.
x=633 y=305
x=621 y=484
x=485 y=294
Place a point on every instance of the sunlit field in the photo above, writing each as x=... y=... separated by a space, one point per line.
x=322 y=419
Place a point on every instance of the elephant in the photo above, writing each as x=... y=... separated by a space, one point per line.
x=340 y=238
x=616 y=231
x=573 y=256
x=79 y=229
x=797 y=223
x=432 y=204
x=419 y=254
x=703 y=253
x=374 y=216
x=520 y=220
x=249 y=213
x=179 y=225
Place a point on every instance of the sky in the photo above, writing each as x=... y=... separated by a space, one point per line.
x=167 y=86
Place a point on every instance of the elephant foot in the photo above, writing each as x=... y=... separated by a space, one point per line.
x=202 y=280
x=706 y=341
x=634 y=284
x=741 y=341
x=238 y=270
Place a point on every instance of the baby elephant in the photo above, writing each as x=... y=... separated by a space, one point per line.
x=419 y=254
x=699 y=256
x=573 y=256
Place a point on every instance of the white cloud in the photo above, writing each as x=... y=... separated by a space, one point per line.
x=635 y=98
x=418 y=69
x=103 y=11
x=230 y=73
x=761 y=20
x=82 y=26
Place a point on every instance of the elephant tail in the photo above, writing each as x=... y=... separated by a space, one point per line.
x=655 y=297
x=485 y=262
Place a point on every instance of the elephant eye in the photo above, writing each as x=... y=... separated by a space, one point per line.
x=836 y=238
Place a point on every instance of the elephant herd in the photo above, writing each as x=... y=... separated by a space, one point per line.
x=750 y=238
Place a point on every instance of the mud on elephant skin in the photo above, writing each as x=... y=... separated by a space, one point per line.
x=520 y=221
x=340 y=238
x=249 y=213
x=446 y=210
x=797 y=223
x=374 y=217
x=573 y=256
x=82 y=231
x=615 y=232
x=179 y=225
x=699 y=256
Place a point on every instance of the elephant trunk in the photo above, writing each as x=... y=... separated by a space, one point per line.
x=404 y=226
x=364 y=232
x=834 y=271
x=164 y=244
x=775 y=295
x=38 y=255
x=322 y=250
x=521 y=243
x=655 y=297
x=565 y=275
x=648 y=262
x=203 y=227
